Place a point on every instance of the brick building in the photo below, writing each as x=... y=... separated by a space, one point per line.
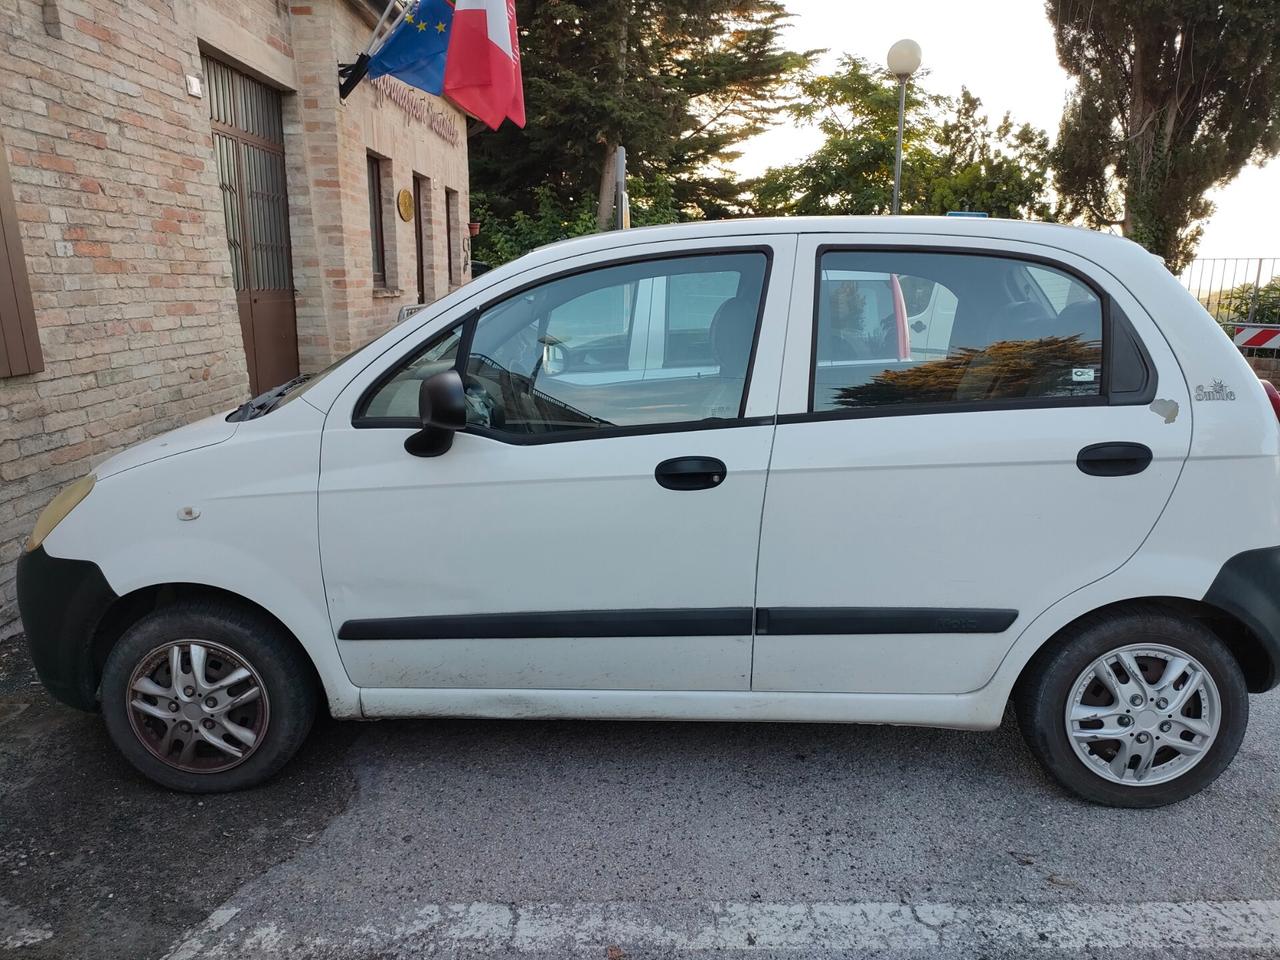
x=187 y=211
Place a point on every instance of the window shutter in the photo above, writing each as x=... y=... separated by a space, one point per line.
x=19 y=339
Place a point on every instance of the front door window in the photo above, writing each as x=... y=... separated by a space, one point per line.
x=628 y=346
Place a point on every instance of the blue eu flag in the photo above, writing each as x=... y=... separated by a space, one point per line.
x=415 y=50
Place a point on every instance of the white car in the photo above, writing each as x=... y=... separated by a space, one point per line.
x=885 y=470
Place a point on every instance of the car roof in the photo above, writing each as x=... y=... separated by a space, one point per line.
x=1076 y=239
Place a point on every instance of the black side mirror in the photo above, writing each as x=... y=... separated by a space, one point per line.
x=442 y=407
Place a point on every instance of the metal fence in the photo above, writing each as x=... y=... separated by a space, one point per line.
x=1237 y=289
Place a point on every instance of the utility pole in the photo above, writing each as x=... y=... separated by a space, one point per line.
x=621 y=199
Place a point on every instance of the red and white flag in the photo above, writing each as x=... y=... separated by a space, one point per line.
x=482 y=72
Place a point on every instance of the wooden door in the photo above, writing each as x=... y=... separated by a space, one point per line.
x=248 y=144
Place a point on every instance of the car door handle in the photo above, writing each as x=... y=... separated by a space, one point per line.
x=1114 y=459
x=690 y=473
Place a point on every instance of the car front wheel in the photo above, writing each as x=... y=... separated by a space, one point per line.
x=206 y=697
x=1135 y=709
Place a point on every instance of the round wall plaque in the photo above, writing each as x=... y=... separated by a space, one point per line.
x=404 y=203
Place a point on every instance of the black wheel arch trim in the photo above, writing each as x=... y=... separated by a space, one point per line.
x=1248 y=588
x=62 y=601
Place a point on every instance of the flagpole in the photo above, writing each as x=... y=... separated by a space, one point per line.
x=353 y=73
x=383 y=19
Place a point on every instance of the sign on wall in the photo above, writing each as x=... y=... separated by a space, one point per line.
x=416 y=107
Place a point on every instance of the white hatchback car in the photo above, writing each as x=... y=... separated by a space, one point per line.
x=885 y=470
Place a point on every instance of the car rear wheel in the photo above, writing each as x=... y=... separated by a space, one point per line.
x=206 y=697
x=1136 y=709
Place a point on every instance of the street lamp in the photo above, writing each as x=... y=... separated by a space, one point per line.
x=904 y=60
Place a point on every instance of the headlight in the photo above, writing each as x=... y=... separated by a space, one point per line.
x=58 y=509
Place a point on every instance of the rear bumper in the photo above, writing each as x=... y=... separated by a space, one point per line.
x=61 y=602
x=1248 y=588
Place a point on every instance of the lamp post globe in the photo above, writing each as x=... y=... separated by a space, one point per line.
x=903 y=60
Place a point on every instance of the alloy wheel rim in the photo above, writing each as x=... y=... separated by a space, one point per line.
x=198 y=706
x=1143 y=714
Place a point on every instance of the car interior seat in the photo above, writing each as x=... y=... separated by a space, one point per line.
x=733 y=330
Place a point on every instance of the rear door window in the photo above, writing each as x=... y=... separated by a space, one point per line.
x=915 y=328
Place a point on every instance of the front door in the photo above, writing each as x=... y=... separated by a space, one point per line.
x=596 y=525
x=248 y=144
x=923 y=508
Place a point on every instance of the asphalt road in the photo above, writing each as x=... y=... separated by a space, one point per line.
x=616 y=840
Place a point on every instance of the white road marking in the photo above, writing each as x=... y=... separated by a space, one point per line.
x=589 y=928
x=20 y=929
x=25 y=937
x=193 y=945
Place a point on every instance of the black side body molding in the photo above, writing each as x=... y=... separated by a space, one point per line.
x=61 y=602
x=854 y=621
x=716 y=622
x=1248 y=588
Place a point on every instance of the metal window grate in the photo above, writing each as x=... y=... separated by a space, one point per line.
x=268 y=205
x=248 y=145
x=244 y=103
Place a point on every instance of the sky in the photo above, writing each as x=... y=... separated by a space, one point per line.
x=1003 y=51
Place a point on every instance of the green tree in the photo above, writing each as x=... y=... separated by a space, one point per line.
x=1003 y=171
x=952 y=158
x=1251 y=302
x=856 y=110
x=678 y=82
x=506 y=238
x=1171 y=98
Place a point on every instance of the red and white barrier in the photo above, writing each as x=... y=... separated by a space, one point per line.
x=1256 y=335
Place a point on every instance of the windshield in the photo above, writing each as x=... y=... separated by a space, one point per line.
x=301 y=387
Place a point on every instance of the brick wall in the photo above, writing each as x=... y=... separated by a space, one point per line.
x=1265 y=363
x=122 y=225
x=265 y=20
x=122 y=229
x=331 y=228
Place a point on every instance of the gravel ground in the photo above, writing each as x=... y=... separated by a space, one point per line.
x=621 y=840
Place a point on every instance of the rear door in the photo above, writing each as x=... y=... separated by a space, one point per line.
x=922 y=510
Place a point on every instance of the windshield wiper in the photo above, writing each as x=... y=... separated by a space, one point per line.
x=263 y=402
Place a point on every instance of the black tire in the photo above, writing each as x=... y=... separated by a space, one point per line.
x=1040 y=702
x=287 y=679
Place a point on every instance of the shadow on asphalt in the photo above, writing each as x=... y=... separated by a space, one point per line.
x=96 y=862
x=113 y=866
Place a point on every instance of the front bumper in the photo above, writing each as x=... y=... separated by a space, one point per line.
x=62 y=602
